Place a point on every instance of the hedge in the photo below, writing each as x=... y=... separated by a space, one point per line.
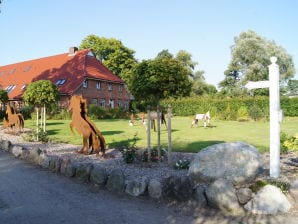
x=228 y=109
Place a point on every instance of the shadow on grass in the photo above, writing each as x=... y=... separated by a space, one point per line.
x=123 y=144
x=56 y=123
x=53 y=131
x=111 y=132
x=193 y=146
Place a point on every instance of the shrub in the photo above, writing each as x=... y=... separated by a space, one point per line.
x=26 y=111
x=182 y=164
x=242 y=114
x=255 y=113
x=288 y=143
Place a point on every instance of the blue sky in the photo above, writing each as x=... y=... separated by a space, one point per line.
x=32 y=29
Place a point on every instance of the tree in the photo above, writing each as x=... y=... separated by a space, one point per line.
x=250 y=59
x=164 y=54
x=292 y=87
x=153 y=80
x=200 y=87
x=3 y=96
x=112 y=53
x=41 y=93
x=185 y=58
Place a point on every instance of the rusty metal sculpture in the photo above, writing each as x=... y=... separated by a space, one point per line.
x=92 y=137
x=12 y=119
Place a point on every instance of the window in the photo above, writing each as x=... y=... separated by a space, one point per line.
x=85 y=84
x=94 y=101
x=2 y=73
x=27 y=68
x=60 y=82
x=126 y=105
x=112 y=104
x=10 y=88
x=119 y=103
x=23 y=88
x=12 y=71
x=120 y=88
x=97 y=85
x=110 y=87
x=102 y=103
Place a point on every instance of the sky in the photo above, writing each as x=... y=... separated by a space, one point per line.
x=206 y=29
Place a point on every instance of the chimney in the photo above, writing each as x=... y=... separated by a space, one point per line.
x=72 y=50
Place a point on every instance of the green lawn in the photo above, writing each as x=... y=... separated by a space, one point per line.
x=118 y=133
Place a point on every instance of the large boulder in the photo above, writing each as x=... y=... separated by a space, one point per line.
x=5 y=145
x=98 y=175
x=222 y=195
x=116 y=181
x=269 y=200
x=137 y=186
x=237 y=162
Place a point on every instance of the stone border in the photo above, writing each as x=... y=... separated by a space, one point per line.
x=220 y=194
x=114 y=180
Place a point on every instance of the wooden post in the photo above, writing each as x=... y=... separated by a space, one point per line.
x=158 y=131
x=44 y=118
x=274 y=118
x=37 y=123
x=169 y=135
x=148 y=134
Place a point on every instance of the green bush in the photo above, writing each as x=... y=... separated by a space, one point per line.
x=227 y=109
x=242 y=114
x=288 y=143
x=26 y=111
x=255 y=113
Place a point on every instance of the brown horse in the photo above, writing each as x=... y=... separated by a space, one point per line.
x=92 y=137
x=13 y=119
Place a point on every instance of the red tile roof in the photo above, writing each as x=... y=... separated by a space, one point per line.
x=72 y=68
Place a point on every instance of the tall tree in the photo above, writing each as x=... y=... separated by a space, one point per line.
x=250 y=59
x=112 y=53
x=164 y=54
x=41 y=93
x=153 y=80
x=186 y=59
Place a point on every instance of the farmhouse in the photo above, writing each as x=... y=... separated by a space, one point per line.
x=75 y=72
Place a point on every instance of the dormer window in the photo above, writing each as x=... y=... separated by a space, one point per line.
x=23 y=87
x=12 y=71
x=27 y=68
x=85 y=84
x=10 y=88
x=60 y=82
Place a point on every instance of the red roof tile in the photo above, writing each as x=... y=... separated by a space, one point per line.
x=72 y=68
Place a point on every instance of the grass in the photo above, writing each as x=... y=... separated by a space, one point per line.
x=119 y=134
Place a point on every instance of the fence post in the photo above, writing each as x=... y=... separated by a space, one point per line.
x=274 y=118
x=148 y=134
x=158 y=131
x=169 y=135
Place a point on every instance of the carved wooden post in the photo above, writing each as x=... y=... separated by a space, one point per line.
x=148 y=134
x=275 y=118
x=158 y=131
x=169 y=135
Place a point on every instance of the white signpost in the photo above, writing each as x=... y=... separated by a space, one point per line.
x=275 y=114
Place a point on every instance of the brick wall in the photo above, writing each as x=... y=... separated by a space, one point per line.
x=105 y=94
